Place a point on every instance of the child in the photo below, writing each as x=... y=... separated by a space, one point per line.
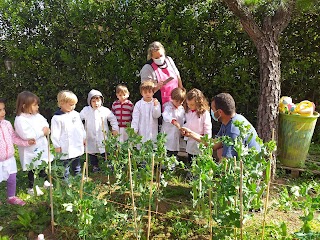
x=96 y=117
x=122 y=109
x=8 y=166
x=146 y=113
x=68 y=134
x=173 y=118
x=197 y=119
x=29 y=124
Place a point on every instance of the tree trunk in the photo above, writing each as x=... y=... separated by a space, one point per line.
x=270 y=90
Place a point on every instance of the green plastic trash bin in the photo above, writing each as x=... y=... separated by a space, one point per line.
x=295 y=133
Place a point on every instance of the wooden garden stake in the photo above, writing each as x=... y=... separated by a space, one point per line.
x=241 y=199
x=50 y=180
x=150 y=198
x=86 y=165
x=235 y=197
x=268 y=176
x=132 y=195
x=210 y=217
x=82 y=179
x=158 y=184
x=105 y=153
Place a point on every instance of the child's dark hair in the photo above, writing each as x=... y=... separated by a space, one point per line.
x=24 y=101
x=178 y=94
x=201 y=102
x=2 y=100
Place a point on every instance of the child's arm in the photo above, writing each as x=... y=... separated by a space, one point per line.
x=168 y=116
x=207 y=125
x=83 y=113
x=136 y=117
x=156 y=112
x=18 y=140
x=55 y=134
x=113 y=122
x=25 y=130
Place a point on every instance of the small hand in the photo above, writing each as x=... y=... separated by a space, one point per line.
x=185 y=132
x=175 y=123
x=46 y=131
x=114 y=132
x=31 y=141
x=155 y=102
x=57 y=150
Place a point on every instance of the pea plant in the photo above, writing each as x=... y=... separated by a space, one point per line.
x=216 y=186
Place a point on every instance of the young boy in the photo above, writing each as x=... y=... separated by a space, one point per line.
x=96 y=119
x=173 y=117
x=67 y=132
x=146 y=113
x=122 y=109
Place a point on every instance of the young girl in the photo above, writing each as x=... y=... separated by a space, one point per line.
x=29 y=124
x=122 y=109
x=8 y=166
x=197 y=119
x=173 y=118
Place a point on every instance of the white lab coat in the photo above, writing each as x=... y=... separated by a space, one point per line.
x=145 y=119
x=170 y=113
x=96 y=121
x=67 y=133
x=29 y=126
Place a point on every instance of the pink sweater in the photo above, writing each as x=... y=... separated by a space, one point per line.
x=8 y=137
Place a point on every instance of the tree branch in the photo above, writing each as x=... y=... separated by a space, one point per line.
x=246 y=19
x=282 y=16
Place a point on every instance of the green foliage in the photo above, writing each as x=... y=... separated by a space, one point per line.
x=219 y=184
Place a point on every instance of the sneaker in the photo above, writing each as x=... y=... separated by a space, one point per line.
x=95 y=169
x=16 y=201
x=47 y=184
x=31 y=191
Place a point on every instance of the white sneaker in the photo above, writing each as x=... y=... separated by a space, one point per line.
x=46 y=184
x=38 y=190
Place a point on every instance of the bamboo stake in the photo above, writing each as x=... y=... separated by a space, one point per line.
x=82 y=179
x=241 y=199
x=105 y=153
x=86 y=165
x=150 y=196
x=132 y=195
x=50 y=180
x=268 y=191
x=210 y=217
x=158 y=185
x=235 y=197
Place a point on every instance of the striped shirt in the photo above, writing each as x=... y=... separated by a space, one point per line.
x=123 y=112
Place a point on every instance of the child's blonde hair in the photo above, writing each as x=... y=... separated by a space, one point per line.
x=66 y=96
x=122 y=89
x=201 y=102
x=178 y=94
x=24 y=101
x=146 y=86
